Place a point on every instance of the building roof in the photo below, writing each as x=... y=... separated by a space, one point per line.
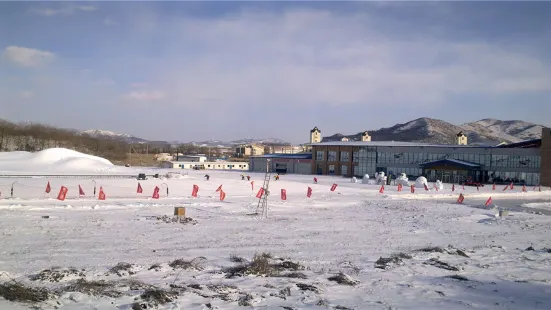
x=391 y=144
x=286 y=156
x=450 y=163
x=523 y=144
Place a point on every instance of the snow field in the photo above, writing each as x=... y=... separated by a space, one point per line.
x=398 y=250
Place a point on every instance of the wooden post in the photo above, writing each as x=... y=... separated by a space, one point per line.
x=180 y=212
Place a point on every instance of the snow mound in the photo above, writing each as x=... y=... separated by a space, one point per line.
x=365 y=179
x=421 y=182
x=55 y=159
x=439 y=185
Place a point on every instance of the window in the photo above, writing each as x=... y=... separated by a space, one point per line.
x=345 y=156
x=332 y=156
x=344 y=170
x=319 y=155
x=331 y=169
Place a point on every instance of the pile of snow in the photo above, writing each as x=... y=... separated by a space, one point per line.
x=439 y=185
x=354 y=180
x=365 y=179
x=402 y=179
x=421 y=182
x=54 y=159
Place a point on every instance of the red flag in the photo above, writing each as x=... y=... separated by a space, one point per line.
x=62 y=193
x=101 y=195
x=512 y=186
x=400 y=187
x=260 y=193
x=463 y=186
x=506 y=187
x=333 y=187
x=222 y=195
x=309 y=192
x=195 y=191
x=453 y=187
x=139 y=190
x=252 y=185
x=435 y=187
x=156 y=193
x=494 y=187
x=412 y=189
x=48 y=188
x=524 y=188
x=488 y=202
x=80 y=191
x=219 y=188
x=426 y=187
x=315 y=180
x=283 y=194
x=461 y=198
x=382 y=189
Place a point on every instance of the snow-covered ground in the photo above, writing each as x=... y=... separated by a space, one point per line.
x=446 y=255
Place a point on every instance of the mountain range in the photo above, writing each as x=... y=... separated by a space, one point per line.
x=428 y=130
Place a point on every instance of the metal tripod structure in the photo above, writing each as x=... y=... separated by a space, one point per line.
x=262 y=207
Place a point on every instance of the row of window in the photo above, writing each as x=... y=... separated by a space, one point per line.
x=385 y=158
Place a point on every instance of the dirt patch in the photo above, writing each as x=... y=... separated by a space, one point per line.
x=387 y=263
x=440 y=264
x=308 y=287
x=294 y=275
x=15 y=291
x=122 y=269
x=175 y=219
x=343 y=279
x=197 y=263
x=56 y=274
x=237 y=259
x=449 y=250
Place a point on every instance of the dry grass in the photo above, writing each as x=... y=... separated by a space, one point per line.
x=93 y=288
x=15 y=291
x=262 y=265
x=343 y=279
x=196 y=263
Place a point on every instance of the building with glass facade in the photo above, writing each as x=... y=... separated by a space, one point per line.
x=519 y=163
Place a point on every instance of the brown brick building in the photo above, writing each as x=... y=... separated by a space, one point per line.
x=546 y=157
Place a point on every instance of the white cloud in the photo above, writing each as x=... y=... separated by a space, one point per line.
x=313 y=57
x=109 y=21
x=64 y=10
x=151 y=95
x=27 y=57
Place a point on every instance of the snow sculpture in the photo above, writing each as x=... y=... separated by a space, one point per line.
x=421 y=182
x=354 y=180
x=439 y=185
x=403 y=179
x=380 y=178
x=365 y=179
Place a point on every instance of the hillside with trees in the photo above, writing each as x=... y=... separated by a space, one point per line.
x=33 y=137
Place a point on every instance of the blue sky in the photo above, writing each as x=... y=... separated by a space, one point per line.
x=227 y=70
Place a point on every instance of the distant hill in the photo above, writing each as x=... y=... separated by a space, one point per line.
x=429 y=130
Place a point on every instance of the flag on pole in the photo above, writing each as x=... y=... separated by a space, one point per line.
x=48 y=188
x=156 y=193
x=412 y=189
x=309 y=192
x=222 y=195
x=283 y=194
x=461 y=198
x=453 y=187
x=219 y=188
x=494 y=187
x=139 y=190
x=260 y=193
x=101 y=195
x=80 y=191
x=382 y=189
x=195 y=191
x=488 y=202
x=333 y=187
